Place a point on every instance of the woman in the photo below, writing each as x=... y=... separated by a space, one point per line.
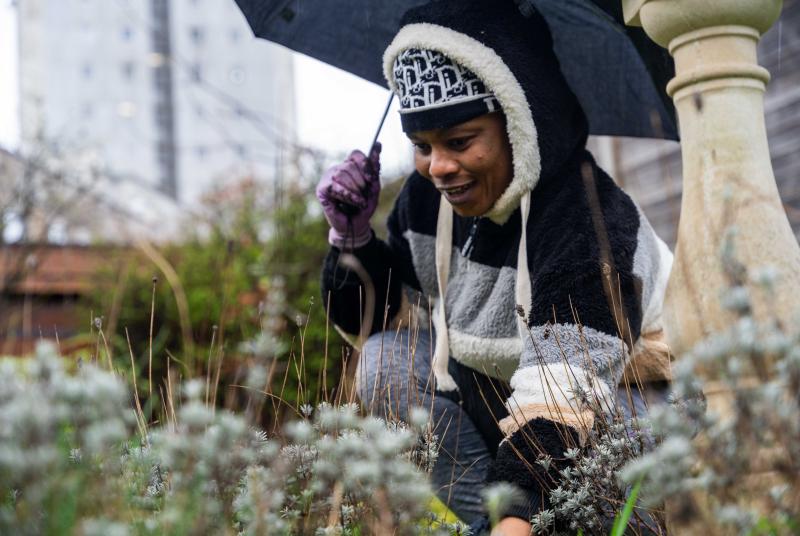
x=542 y=277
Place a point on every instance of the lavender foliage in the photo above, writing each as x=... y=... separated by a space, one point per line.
x=71 y=462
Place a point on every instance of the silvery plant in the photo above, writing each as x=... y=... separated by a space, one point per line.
x=56 y=432
x=72 y=460
x=721 y=453
x=343 y=474
x=587 y=495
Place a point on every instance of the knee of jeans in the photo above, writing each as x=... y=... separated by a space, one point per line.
x=384 y=370
x=367 y=369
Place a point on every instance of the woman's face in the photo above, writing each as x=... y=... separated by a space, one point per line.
x=470 y=163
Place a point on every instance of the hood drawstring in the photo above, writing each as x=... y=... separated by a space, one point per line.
x=444 y=248
x=522 y=291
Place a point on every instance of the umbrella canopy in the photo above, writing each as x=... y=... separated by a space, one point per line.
x=617 y=73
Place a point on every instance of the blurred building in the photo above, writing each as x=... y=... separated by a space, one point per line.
x=650 y=170
x=40 y=290
x=47 y=197
x=166 y=96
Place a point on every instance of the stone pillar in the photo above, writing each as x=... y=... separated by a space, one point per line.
x=727 y=174
x=728 y=182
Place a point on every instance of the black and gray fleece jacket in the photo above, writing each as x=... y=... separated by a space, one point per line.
x=552 y=288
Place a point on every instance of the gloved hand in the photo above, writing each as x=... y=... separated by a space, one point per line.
x=348 y=193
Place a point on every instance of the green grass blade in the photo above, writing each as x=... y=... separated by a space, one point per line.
x=621 y=521
x=443 y=514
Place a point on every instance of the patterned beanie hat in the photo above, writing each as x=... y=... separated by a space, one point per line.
x=436 y=92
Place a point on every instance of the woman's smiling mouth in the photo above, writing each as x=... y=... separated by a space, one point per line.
x=469 y=164
x=456 y=194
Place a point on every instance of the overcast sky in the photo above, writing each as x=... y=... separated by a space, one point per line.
x=336 y=111
x=8 y=68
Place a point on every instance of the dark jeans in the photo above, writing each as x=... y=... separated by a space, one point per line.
x=394 y=375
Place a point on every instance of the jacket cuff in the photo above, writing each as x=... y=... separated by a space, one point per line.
x=533 y=504
x=517 y=457
x=350 y=242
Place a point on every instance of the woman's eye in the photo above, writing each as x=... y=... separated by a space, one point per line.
x=458 y=143
x=422 y=147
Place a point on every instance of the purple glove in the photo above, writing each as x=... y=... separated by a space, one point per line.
x=348 y=193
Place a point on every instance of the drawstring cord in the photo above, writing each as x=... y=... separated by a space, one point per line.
x=351 y=234
x=444 y=247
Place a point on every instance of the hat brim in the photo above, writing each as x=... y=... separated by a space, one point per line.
x=446 y=116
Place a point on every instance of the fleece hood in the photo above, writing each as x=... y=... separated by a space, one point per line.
x=513 y=56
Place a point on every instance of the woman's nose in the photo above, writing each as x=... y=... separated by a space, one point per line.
x=442 y=164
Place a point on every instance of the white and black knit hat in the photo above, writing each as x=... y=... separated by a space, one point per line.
x=436 y=92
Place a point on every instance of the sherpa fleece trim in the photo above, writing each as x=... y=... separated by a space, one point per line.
x=555 y=385
x=601 y=354
x=582 y=421
x=490 y=67
x=497 y=358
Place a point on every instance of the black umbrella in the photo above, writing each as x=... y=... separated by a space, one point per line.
x=617 y=72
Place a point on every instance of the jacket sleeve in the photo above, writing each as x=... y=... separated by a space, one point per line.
x=584 y=318
x=389 y=266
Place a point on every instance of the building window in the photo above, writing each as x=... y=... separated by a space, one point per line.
x=197 y=35
x=87 y=70
x=127 y=33
x=200 y=151
x=164 y=152
x=156 y=59
x=236 y=35
x=196 y=73
x=126 y=109
x=237 y=76
x=128 y=70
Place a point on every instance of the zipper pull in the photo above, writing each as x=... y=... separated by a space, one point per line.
x=466 y=249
